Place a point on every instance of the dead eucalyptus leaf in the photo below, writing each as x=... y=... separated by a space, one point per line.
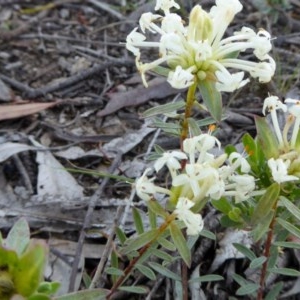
x=20 y=110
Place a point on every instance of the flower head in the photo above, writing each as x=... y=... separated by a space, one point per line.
x=198 y=51
x=279 y=170
x=145 y=188
x=193 y=222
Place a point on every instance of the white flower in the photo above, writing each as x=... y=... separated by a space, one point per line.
x=279 y=170
x=170 y=159
x=173 y=23
x=180 y=79
x=237 y=160
x=165 y=5
x=195 y=173
x=294 y=109
x=201 y=143
x=230 y=82
x=193 y=222
x=147 y=22
x=199 y=50
x=145 y=188
x=133 y=40
x=273 y=103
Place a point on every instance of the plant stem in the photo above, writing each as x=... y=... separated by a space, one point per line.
x=184 y=276
x=268 y=245
x=142 y=251
x=190 y=98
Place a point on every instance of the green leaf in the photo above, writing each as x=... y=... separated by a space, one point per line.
x=289 y=227
x=245 y=251
x=180 y=243
x=235 y=215
x=133 y=289
x=48 y=288
x=166 y=244
x=164 y=109
x=152 y=219
x=114 y=271
x=121 y=235
x=146 y=271
x=211 y=98
x=95 y=294
x=292 y=208
x=266 y=138
x=157 y=208
x=138 y=222
x=29 y=272
x=140 y=241
x=257 y=262
x=207 y=278
x=193 y=126
x=287 y=245
x=274 y=292
x=208 y=234
x=18 y=237
x=262 y=227
x=247 y=289
x=114 y=261
x=266 y=203
x=285 y=271
x=205 y=122
x=222 y=205
x=164 y=271
x=162 y=254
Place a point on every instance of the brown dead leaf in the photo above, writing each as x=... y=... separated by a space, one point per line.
x=159 y=89
x=20 y=110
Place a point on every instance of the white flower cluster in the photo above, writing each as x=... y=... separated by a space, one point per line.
x=204 y=176
x=288 y=159
x=197 y=51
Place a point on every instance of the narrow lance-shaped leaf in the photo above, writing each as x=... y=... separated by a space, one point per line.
x=157 y=208
x=164 y=271
x=292 y=208
x=263 y=226
x=140 y=241
x=163 y=109
x=95 y=294
x=289 y=227
x=180 y=243
x=266 y=203
x=138 y=222
x=211 y=98
x=266 y=138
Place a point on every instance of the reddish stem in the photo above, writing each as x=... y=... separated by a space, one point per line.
x=268 y=245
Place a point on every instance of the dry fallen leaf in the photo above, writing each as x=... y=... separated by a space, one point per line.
x=20 y=110
x=159 y=89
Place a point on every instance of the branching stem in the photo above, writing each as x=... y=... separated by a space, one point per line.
x=142 y=251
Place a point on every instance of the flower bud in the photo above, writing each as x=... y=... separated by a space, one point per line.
x=200 y=25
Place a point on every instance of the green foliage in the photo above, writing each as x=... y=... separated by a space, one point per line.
x=22 y=263
x=266 y=203
x=211 y=98
x=180 y=243
x=164 y=109
x=266 y=138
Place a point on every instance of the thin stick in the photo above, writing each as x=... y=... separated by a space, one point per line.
x=107 y=250
x=87 y=219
